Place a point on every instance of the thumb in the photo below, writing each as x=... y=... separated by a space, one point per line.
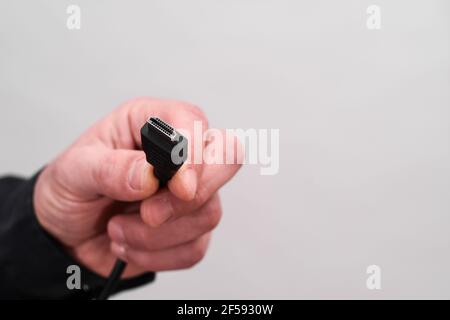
x=122 y=175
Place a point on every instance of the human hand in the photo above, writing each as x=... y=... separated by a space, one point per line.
x=99 y=198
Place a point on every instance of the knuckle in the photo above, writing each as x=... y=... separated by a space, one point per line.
x=144 y=239
x=122 y=223
x=212 y=216
x=135 y=237
x=201 y=195
x=149 y=209
x=196 y=253
x=145 y=213
x=197 y=111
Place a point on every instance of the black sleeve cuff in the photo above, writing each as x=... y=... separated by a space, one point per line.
x=33 y=265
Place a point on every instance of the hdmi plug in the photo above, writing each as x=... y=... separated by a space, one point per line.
x=166 y=150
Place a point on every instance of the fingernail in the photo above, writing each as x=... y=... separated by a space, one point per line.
x=116 y=233
x=119 y=250
x=189 y=180
x=137 y=174
x=161 y=211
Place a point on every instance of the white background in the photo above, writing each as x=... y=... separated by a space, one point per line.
x=363 y=118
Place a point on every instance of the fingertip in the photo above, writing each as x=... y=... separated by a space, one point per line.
x=151 y=183
x=115 y=231
x=184 y=184
x=119 y=250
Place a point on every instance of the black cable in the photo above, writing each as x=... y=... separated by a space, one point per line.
x=165 y=149
x=113 y=280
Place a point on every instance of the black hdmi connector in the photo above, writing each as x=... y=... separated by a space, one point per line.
x=166 y=150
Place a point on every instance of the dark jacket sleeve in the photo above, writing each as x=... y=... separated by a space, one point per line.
x=33 y=265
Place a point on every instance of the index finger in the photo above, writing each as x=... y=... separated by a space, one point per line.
x=163 y=206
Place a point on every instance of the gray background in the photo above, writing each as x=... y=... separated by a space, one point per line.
x=363 y=117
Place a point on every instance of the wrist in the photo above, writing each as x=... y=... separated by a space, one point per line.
x=42 y=198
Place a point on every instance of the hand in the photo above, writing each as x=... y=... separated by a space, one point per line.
x=100 y=199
